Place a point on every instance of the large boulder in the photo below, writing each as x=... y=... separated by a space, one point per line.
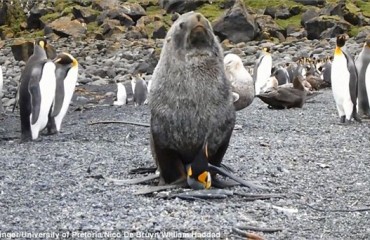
x=309 y=14
x=23 y=49
x=154 y=25
x=87 y=14
x=181 y=6
x=117 y=14
x=326 y=27
x=281 y=12
x=66 y=27
x=134 y=10
x=236 y=24
x=268 y=25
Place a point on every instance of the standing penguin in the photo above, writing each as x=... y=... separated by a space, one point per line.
x=139 y=89
x=362 y=63
x=344 y=82
x=262 y=69
x=191 y=104
x=241 y=81
x=36 y=92
x=121 y=95
x=66 y=78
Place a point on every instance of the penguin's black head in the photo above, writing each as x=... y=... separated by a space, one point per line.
x=65 y=59
x=267 y=49
x=341 y=40
x=198 y=176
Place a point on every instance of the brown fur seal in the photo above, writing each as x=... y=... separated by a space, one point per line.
x=241 y=81
x=191 y=104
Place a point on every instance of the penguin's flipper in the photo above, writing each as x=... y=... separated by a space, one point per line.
x=59 y=93
x=35 y=93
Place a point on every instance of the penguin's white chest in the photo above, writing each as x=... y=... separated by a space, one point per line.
x=367 y=81
x=340 y=78
x=47 y=85
x=263 y=73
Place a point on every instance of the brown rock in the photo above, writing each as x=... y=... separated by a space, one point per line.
x=66 y=27
x=101 y=5
x=22 y=49
x=86 y=13
x=134 y=10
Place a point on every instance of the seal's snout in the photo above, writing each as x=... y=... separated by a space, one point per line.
x=199 y=30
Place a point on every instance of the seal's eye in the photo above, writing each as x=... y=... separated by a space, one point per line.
x=182 y=25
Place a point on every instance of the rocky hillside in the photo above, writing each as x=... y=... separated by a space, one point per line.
x=235 y=20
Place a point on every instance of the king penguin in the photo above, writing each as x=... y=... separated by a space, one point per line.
x=362 y=63
x=344 y=82
x=262 y=69
x=139 y=89
x=36 y=93
x=66 y=74
x=121 y=95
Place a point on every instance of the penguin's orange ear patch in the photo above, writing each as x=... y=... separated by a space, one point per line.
x=190 y=172
x=338 y=51
x=42 y=44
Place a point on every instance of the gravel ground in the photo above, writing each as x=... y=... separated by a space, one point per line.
x=303 y=153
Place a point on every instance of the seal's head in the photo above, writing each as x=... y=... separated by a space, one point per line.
x=191 y=33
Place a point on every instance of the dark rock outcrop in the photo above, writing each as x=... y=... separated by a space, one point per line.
x=309 y=14
x=236 y=24
x=325 y=27
x=33 y=20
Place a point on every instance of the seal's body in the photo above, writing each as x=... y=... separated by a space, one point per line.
x=191 y=103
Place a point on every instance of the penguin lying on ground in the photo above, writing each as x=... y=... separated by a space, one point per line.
x=344 y=82
x=241 y=81
x=36 y=92
x=66 y=78
x=362 y=63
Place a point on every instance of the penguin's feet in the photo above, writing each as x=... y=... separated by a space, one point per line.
x=342 y=119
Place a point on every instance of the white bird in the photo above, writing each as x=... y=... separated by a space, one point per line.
x=241 y=81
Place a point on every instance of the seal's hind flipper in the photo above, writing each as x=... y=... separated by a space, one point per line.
x=218 y=183
x=205 y=194
x=153 y=189
x=132 y=181
x=143 y=170
x=225 y=173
